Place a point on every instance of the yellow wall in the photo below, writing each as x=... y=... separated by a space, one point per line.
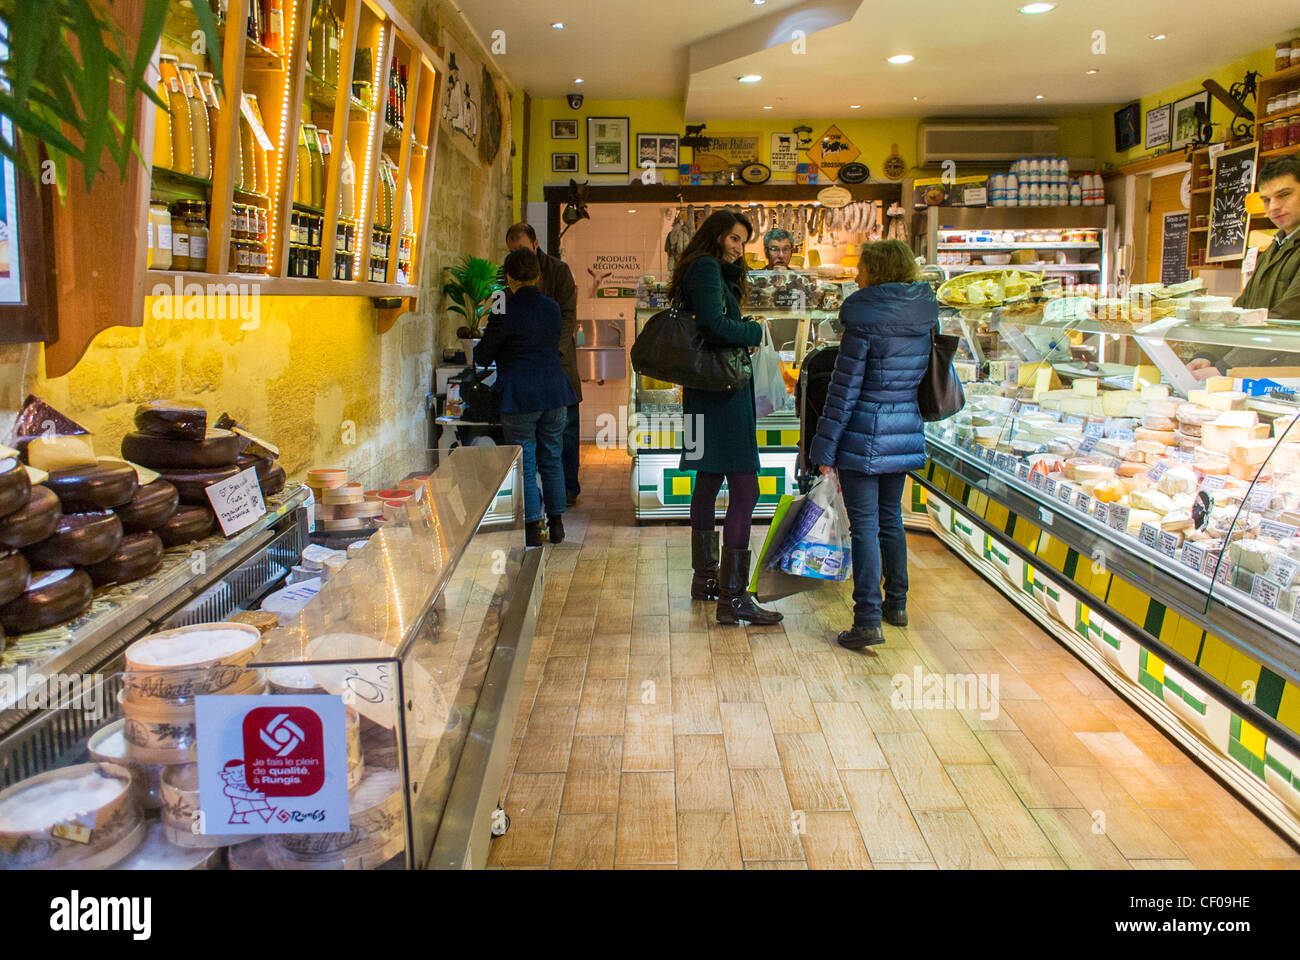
x=1103 y=120
x=872 y=135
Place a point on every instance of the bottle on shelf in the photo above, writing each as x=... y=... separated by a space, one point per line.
x=207 y=87
x=318 y=41
x=160 y=237
x=180 y=237
x=197 y=116
x=361 y=74
x=401 y=100
x=273 y=25
x=196 y=220
x=179 y=116
x=347 y=184
x=162 y=123
x=254 y=26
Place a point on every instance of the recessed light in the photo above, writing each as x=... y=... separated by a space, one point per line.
x=1032 y=8
x=632 y=211
x=916 y=98
x=579 y=80
x=750 y=78
x=1092 y=71
x=1156 y=36
x=902 y=58
x=855 y=106
x=1038 y=96
x=557 y=26
x=767 y=108
x=758 y=3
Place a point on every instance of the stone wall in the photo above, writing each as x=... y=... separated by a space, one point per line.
x=313 y=376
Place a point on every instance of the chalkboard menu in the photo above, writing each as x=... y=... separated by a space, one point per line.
x=1234 y=179
x=1173 y=251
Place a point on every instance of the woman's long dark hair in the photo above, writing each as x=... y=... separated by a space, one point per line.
x=707 y=242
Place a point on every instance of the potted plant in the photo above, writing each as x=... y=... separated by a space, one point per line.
x=470 y=286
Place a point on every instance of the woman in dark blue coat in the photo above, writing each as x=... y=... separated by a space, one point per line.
x=524 y=341
x=721 y=425
x=870 y=431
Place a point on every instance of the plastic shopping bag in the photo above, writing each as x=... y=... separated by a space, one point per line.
x=770 y=394
x=769 y=582
x=820 y=547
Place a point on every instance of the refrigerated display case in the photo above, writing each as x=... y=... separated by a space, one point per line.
x=1149 y=520
x=415 y=642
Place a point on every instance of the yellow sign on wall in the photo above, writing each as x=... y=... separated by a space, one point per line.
x=833 y=150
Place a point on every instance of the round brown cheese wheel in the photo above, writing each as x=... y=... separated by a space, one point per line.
x=190 y=484
x=138 y=556
x=261 y=464
x=100 y=487
x=159 y=418
x=33 y=522
x=79 y=540
x=51 y=597
x=150 y=508
x=185 y=525
x=273 y=482
x=14 y=571
x=15 y=486
x=218 y=449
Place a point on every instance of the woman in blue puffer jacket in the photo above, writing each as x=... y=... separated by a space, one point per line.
x=870 y=431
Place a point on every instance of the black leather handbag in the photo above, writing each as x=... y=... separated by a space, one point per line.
x=671 y=347
x=940 y=395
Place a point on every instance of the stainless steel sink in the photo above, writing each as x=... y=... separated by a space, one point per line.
x=601 y=333
x=602 y=363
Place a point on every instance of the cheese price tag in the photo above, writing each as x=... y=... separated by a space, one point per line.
x=1295 y=610
x=1149 y=535
x=1219 y=567
x=1122 y=435
x=1261 y=498
x=1168 y=543
x=1101 y=512
x=1083 y=502
x=1183 y=456
x=1117 y=517
x=1158 y=471
x=1284 y=571
x=1213 y=482
x=1266 y=591
x=1278 y=531
x=237 y=502
x=1028 y=408
x=1080 y=421
x=1088 y=444
x=1049 y=486
x=1064 y=493
x=76 y=832
x=1006 y=462
x=1036 y=480
x=1095 y=429
x=1193 y=556
x=990 y=455
x=1022 y=471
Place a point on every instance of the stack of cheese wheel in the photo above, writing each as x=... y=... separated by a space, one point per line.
x=377 y=835
x=300 y=681
x=108 y=745
x=80 y=817
x=180 y=811
x=394 y=501
x=159 y=853
x=174 y=439
x=343 y=508
x=166 y=671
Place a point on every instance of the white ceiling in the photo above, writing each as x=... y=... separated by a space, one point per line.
x=972 y=56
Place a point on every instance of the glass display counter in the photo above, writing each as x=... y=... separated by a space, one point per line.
x=1147 y=516
x=409 y=650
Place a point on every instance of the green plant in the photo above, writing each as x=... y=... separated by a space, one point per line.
x=62 y=61
x=470 y=287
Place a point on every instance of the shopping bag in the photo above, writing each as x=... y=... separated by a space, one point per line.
x=768 y=581
x=821 y=550
x=770 y=394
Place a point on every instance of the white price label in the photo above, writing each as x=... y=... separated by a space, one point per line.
x=1064 y=493
x=1213 y=482
x=1022 y=471
x=1261 y=498
x=1266 y=591
x=1037 y=480
x=1083 y=502
x=1169 y=544
x=1149 y=535
x=1284 y=571
x=1157 y=471
x=1046 y=515
x=1219 y=567
x=1117 y=517
x=1101 y=511
x=1193 y=556
x=1049 y=486
x=259 y=132
x=1278 y=531
x=237 y=502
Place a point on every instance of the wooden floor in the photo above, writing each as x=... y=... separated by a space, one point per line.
x=651 y=737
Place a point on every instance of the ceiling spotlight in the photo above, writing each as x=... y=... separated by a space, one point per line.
x=1038 y=96
x=632 y=211
x=855 y=106
x=557 y=26
x=750 y=78
x=916 y=98
x=579 y=80
x=902 y=58
x=758 y=3
x=1092 y=72
x=1032 y=8
x=767 y=108
x=1156 y=36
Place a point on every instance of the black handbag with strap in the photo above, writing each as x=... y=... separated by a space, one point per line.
x=940 y=395
x=672 y=347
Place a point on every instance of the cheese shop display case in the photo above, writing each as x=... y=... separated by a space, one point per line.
x=405 y=658
x=1149 y=519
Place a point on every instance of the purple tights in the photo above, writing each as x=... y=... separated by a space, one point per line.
x=743 y=491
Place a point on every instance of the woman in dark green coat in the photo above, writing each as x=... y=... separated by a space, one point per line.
x=710 y=282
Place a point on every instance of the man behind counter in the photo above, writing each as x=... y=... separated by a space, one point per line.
x=1275 y=284
x=557 y=283
x=778 y=247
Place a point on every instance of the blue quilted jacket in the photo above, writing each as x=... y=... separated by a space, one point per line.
x=871 y=422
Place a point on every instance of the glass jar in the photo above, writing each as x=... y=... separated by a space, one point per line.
x=1265 y=136
x=196 y=220
x=1293 y=98
x=180 y=236
x=316 y=169
x=160 y=237
x=1282 y=55
x=162 y=123
x=197 y=113
x=1295 y=51
x=1293 y=131
x=178 y=104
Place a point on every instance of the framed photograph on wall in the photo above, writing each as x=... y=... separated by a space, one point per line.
x=564 y=163
x=1159 y=126
x=657 y=148
x=607 y=144
x=564 y=129
x=1189 y=114
x=1127 y=134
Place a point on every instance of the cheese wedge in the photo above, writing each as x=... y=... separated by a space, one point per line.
x=1152 y=500
x=61 y=453
x=1218 y=384
x=1219 y=400
x=36 y=476
x=1085 y=386
x=1251 y=451
x=1154 y=391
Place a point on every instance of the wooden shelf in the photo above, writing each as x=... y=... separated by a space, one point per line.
x=1280 y=115
x=1197 y=229
x=1291 y=73
x=1281 y=152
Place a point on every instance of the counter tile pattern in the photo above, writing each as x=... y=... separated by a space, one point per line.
x=772 y=748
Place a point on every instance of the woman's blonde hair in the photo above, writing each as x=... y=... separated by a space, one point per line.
x=889 y=261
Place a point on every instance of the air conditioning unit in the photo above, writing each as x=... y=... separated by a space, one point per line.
x=983 y=141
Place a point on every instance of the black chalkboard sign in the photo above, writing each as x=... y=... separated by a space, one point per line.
x=1173 y=251
x=1234 y=179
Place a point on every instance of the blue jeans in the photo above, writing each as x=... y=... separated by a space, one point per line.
x=875 y=507
x=541 y=434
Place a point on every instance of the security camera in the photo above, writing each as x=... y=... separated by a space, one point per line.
x=575 y=101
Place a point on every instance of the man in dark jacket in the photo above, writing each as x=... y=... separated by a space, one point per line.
x=557 y=283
